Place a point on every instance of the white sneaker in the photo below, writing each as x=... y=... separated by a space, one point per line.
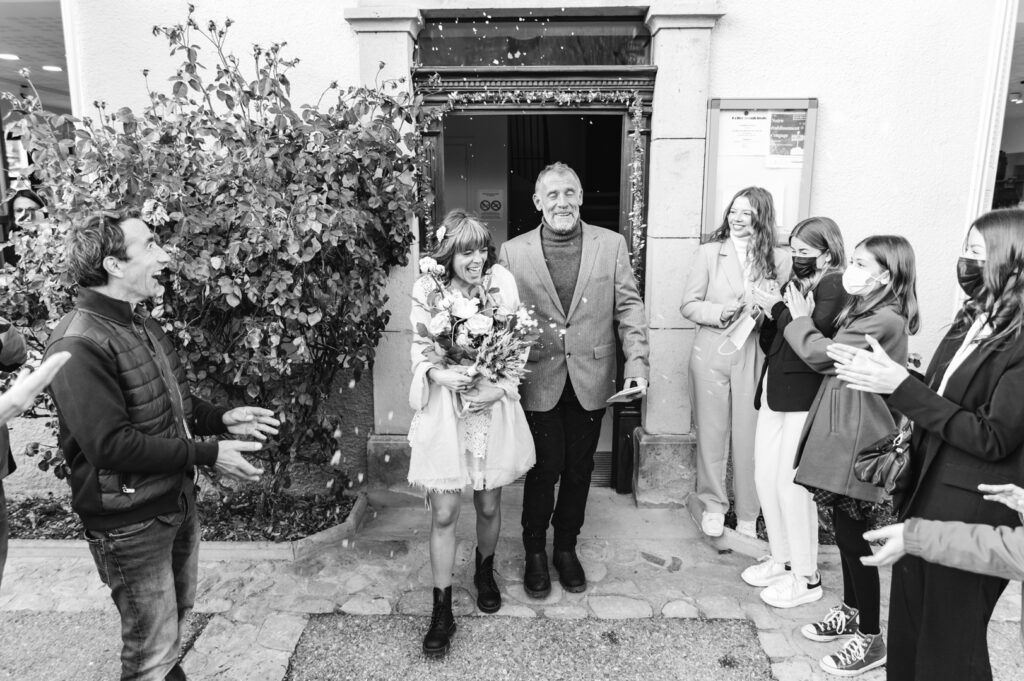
x=712 y=524
x=765 y=573
x=792 y=591
x=748 y=528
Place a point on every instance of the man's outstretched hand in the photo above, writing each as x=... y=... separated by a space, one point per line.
x=255 y=422
x=231 y=463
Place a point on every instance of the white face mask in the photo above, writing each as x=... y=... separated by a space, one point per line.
x=858 y=281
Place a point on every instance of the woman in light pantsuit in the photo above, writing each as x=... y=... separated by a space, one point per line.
x=725 y=365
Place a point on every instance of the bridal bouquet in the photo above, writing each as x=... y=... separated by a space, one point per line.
x=477 y=333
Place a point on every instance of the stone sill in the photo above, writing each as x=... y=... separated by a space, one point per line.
x=331 y=538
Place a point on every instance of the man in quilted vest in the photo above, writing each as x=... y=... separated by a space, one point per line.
x=127 y=425
x=13 y=354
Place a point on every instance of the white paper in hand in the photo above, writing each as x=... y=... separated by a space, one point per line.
x=626 y=395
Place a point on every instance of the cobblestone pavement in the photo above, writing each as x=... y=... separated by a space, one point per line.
x=639 y=563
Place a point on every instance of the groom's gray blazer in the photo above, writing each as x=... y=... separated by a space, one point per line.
x=579 y=342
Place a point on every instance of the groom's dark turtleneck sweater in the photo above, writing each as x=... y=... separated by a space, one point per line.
x=562 y=252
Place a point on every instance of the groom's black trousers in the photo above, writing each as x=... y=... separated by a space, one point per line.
x=566 y=438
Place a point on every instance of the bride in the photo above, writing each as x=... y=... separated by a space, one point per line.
x=467 y=432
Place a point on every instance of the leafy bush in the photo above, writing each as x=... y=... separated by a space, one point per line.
x=283 y=223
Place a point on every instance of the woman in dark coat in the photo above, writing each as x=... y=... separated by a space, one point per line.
x=968 y=429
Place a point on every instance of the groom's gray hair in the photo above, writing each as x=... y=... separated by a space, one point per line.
x=556 y=168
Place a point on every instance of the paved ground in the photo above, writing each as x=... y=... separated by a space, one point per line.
x=67 y=646
x=338 y=647
x=649 y=564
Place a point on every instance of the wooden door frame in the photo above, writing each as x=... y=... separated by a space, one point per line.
x=541 y=90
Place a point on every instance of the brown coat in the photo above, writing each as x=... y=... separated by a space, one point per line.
x=987 y=550
x=842 y=421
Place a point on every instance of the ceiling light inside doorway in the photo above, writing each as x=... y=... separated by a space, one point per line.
x=50 y=67
x=1016 y=98
x=9 y=57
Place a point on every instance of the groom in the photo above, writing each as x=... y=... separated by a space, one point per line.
x=579 y=282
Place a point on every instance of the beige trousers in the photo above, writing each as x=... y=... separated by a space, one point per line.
x=722 y=388
x=790 y=514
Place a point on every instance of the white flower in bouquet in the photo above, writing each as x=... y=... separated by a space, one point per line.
x=462 y=337
x=440 y=323
x=465 y=308
x=427 y=264
x=479 y=324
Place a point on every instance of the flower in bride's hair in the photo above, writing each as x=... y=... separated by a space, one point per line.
x=439 y=234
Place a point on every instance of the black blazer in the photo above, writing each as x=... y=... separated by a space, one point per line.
x=792 y=384
x=972 y=434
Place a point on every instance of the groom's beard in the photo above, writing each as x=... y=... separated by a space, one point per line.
x=562 y=224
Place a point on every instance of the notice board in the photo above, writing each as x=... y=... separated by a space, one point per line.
x=760 y=142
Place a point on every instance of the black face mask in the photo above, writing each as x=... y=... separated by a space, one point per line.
x=805 y=266
x=969 y=275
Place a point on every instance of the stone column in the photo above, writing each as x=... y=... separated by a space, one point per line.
x=664 y=468
x=385 y=36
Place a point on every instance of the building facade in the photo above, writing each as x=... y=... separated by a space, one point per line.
x=909 y=100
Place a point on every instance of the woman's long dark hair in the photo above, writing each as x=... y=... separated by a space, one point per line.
x=762 y=242
x=823 y=234
x=1001 y=298
x=896 y=257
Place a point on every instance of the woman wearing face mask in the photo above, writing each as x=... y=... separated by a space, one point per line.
x=880 y=281
x=725 y=364
x=968 y=430
x=789 y=575
x=487 y=446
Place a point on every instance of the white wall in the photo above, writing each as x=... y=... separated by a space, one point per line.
x=901 y=87
x=901 y=90
x=109 y=42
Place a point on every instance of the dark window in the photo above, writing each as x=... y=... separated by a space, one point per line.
x=534 y=41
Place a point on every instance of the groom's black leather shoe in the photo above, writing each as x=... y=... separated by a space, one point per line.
x=570 y=572
x=536 y=580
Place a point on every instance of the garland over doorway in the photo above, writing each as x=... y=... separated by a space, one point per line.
x=589 y=91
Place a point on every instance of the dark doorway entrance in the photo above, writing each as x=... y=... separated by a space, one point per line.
x=491 y=162
x=590 y=144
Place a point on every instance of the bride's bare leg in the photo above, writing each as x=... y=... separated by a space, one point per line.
x=488 y=519
x=444 y=514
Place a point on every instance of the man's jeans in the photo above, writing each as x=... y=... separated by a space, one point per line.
x=4 y=530
x=151 y=568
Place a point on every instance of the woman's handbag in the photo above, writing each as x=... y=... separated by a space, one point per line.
x=886 y=463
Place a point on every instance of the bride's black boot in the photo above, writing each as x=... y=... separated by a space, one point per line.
x=442 y=624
